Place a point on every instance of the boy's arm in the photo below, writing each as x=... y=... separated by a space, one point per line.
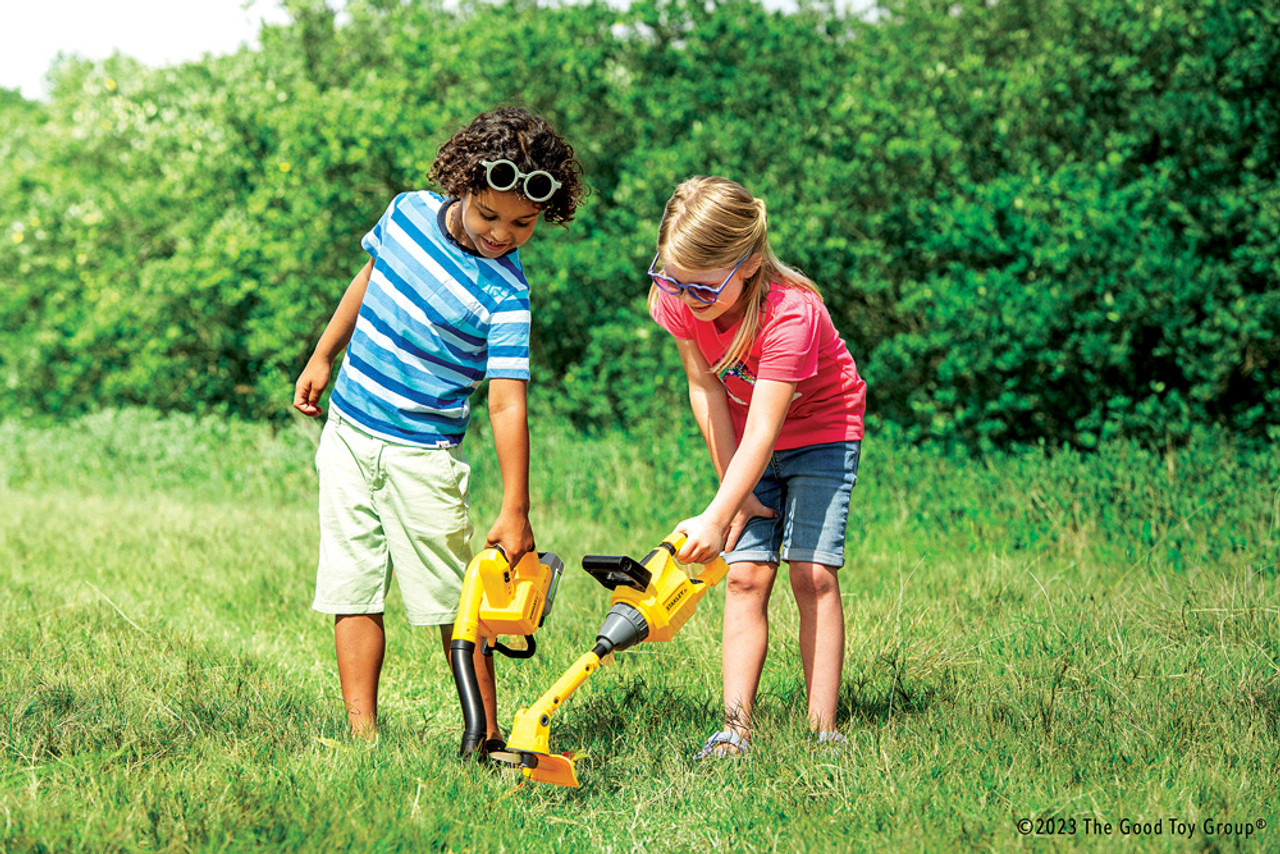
x=508 y=415
x=314 y=378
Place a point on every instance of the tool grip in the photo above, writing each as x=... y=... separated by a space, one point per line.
x=617 y=570
x=676 y=540
x=711 y=572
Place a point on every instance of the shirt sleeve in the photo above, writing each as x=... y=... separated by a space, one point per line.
x=671 y=314
x=509 y=339
x=789 y=343
x=372 y=242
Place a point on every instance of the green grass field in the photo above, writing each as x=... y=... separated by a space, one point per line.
x=1087 y=642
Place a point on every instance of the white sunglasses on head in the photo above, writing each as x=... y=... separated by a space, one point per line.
x=503 y=175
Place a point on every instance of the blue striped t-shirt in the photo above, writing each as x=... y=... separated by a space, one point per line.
x=435 y=321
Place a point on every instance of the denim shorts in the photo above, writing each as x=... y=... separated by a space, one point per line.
x=809 y=487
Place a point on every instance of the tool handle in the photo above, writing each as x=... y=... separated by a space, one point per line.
x=711 y=572
x=676 y=540
x=531 y=646
x=496 y=576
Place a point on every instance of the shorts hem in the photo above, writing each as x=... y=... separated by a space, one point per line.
x=812 y=556
x=437 y=618
x=753 y=555
x=345 y=609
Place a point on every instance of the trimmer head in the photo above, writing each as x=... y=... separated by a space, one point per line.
x=505 y=758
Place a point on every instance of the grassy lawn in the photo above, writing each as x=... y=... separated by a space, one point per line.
x=1091 y=643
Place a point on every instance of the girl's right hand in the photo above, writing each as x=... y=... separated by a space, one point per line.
x=751 y=508
x=704 y=540
x=310 y=386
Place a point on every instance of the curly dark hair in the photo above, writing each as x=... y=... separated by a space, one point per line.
x=523 y=138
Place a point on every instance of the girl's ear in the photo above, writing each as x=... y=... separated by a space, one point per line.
x=752 y=265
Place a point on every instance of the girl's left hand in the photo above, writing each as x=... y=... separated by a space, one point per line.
x=751 y=508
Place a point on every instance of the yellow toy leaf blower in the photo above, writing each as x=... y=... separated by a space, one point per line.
x=652 y=600
x=497 y=600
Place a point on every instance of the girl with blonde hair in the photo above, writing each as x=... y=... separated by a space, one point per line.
x=780 y=404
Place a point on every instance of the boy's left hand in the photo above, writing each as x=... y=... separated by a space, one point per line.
x=514 y=534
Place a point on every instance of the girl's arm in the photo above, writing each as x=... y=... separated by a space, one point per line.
x=710 y=405
x=314 y=378
x=739 y=465
x=508 y=414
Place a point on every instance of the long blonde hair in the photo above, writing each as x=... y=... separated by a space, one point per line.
x=711 y=223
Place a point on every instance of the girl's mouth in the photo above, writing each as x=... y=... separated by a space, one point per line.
x=490 y=246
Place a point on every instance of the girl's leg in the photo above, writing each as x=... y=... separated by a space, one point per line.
x=484 y=680
x=361 y=643
x=817 y=591
x=746 y=638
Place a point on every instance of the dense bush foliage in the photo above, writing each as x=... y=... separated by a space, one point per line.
x=1053 y=220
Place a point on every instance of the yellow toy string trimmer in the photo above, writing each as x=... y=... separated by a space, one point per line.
x=652 y=600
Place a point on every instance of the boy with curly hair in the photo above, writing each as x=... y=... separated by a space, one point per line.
x=441 y=305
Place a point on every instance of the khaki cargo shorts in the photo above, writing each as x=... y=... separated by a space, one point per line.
x=388 y=509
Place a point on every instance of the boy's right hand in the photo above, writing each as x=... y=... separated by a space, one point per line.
x=514 y=534
x=310 y=386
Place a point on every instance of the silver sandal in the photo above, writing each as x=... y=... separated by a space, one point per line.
x=714 y=747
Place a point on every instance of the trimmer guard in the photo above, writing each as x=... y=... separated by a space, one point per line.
x=556 y=769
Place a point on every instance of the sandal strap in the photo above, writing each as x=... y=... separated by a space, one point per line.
x=728 y=737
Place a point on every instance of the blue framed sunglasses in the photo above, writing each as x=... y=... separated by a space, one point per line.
x=704 y=294
x=503 y=175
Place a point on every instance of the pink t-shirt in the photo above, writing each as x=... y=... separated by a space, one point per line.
x=798 y=344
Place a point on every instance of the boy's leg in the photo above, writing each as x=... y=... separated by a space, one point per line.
x=746 y=638
x=817 y=591
x=354 y=568
x=361 y=642
x=484 y=680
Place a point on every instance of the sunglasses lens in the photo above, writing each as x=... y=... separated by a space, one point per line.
x=538 y=186
x=702 y=293
x=502 y=175
x=665 y=284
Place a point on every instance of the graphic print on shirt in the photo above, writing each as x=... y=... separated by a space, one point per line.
x=738 y=370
